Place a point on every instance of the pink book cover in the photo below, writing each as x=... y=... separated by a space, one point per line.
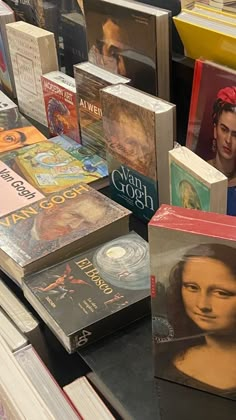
x=15 y=192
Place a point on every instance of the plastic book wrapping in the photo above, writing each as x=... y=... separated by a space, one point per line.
x=194 y=183
x=89 y=81
x=49 y=168
x=193 y=290
x=141 y=51
x=14 y=339
x=60 y=103
x=139 y=130
x=214 y=141
x=57 y=227
x=45 y=384
x=100 y=291
x=214 y=42
x=86 y=399
x=17 y=391
x=17 y=131
x=16 y=311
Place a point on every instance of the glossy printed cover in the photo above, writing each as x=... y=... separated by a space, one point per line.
x=35 y=231
x=4 y=71
x=193 y=290
x=124 y=41
x=60 y=103
x=15 y=191
x=16 y=131
x=50 y=168
x=6 y=102
x=92 y=287
x=212 y=121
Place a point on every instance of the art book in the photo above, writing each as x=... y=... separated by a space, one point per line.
x=100 y=290
x=193 y=289
x=6 y=72
x=33 y=53
x=194 y=183
x=58 y=227
x=15 y=191
x=89 y=81
x=16 y=131
x=49 y=168
x=131 y=39
x=60 y=103
x=6 y=102
x=139 y=131
x=212 y=121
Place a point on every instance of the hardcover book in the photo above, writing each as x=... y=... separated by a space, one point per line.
x=212 y=121
x=131 y=39
x=33 y=53
x=58 y=227
x=16 y=131
x=73 y=32
x=89 y=81
x=139 y=131
x=100 y=291
x=60 y=103
x=194 y=183
x=49 y=168
x=193 y=291
x=6 y=72
x=17 y=192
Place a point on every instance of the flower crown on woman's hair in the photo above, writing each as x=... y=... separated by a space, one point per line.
x=228 y=94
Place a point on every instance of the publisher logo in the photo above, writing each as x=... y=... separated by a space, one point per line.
x=162 y=330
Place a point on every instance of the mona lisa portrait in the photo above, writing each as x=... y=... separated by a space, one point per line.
x=201 y=309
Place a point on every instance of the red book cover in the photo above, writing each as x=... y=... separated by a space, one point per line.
x=60 y=103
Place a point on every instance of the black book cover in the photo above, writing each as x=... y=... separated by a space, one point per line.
x=95 y=293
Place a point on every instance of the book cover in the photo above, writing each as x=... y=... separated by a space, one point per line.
x=6 y=72
x=139 y=131
x=56 y=227
x=60 y=103
x=89 y=82
x=193 y=291
x=99 y=290
x=73 y=31
x=49 y=168
x=16 y=131
x=194 y=183
x=212 y=121
x=6 y=102
x=17 y=192
x=33 y=53
x=130 y=39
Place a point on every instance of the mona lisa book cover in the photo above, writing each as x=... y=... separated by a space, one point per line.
x=193 y=289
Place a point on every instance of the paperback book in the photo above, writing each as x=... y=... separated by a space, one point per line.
x=6 y=72
x=16 y=131
x=33 y=53
x=194 y=183
x=49 y=168
x=139 y=131
x=212 y=121
x=89 y=81
x=6 y=102
x=131 y=39
x=58 y=227
x=193 y=292
x=60 y=103
x=15 y=191
x=100 y=290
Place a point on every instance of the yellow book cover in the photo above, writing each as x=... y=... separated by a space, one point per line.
x=49 y=168
x=208 y=42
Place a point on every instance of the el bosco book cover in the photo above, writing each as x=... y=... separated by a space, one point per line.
x=59 y=92
x=100 y=291
x=211 y=129
x=70 y=220
x=193 y=289
x=16 y=131
x=49 y=168
x=207 y=37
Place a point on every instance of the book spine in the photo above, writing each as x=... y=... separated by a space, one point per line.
x=194 y=102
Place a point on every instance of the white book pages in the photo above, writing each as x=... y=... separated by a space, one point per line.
x=10 y=333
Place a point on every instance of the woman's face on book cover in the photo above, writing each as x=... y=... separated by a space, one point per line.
x=225 y=135
x=209 y=295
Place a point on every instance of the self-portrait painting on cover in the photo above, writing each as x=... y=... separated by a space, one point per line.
x=201 y=308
